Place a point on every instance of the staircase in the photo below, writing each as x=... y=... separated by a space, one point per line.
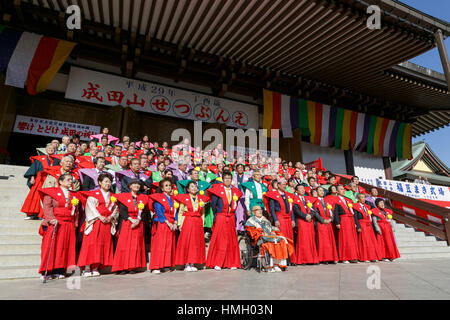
x=20 y=243
x=414 y=244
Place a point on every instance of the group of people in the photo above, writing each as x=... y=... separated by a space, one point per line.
x=101 y=202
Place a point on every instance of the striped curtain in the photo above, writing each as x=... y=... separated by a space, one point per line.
x=343 y=129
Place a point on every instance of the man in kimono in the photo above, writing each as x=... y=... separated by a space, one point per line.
x=240 y=177
x=274 y=247
x=254 y=191
x=89 y=177
x=39 y=163
x=123 y=177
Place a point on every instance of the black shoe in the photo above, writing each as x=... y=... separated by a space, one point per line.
x=325 y=262
x=334 y=262
x=123 y=272
x=133 y=272
x=353 y=261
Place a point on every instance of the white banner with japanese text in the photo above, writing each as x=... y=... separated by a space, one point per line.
x=53 y=128
x=410 y=189
x=101 y=88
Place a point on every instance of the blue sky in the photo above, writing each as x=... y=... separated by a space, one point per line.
x=437 y=140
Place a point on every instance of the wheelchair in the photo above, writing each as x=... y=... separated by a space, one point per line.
x=250 y=252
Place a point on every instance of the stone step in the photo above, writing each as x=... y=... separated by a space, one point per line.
x=26 y=224
x=13 y=198
x=19 y=272
x=22 y=227
x=421 y=244
x=11 y=260
x=34 y=238
x=429 y=255
x=406 y=250
x=20 y=249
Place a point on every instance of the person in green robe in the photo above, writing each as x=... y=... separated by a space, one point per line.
x=254 y=191
x=352 y=193
x=158 y=175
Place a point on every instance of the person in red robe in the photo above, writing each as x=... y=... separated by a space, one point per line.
x=279 y=204
x=58 y=228
x=162 y=250
x=385 y=236
x=223 y=249
x=48 y=178
x=100 y=225
x=347 y=224
x=190 y=216
x=368 y=247
x=130 y=250
x=306 y=251
x=325 y=235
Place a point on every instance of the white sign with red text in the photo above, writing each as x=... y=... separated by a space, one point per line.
x=53 y=128
x=101 y=88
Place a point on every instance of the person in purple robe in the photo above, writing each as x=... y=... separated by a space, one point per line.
x=123 y=177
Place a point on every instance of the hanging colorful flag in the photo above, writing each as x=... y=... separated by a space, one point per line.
x=343 y=129
x=31 y=59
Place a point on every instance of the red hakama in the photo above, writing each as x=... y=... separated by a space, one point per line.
x=62 y=253
x=325 y=236
x=385 y=241
x=223 y=249
x=97 y=246
x=306 y=251
x=162 y=249
x=191 y=242
x=368 y=247
x=284 y=218
x=347 y=238
x=130 y=250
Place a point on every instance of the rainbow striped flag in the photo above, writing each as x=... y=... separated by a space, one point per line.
x=31 y=59
x=339 y=128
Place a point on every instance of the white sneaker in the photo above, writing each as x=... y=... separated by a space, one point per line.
x=233 y=268
x=95 y=273
x=59 y=276
x=194 y=269
x=345 y=262
x=87 y=274
x=156 y=271
x=188 y=269
x=217 y=268
x=386 y=260
x=277 y=269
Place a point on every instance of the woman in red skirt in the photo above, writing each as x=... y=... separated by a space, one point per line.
x=130 y=250
x=385 y=237
x=101 y=219
x=368 y=248
x=306 y=251
x=191 y=242
x=162 y=249
x=60 y=212
x=325 y=236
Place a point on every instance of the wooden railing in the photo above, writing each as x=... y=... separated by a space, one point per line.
x=441 y=231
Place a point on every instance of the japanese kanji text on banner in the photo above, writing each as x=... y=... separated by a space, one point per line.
x=111 y=90
x=53 y=128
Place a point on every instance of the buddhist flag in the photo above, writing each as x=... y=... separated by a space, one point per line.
x=286 y=126
x=325 y=126
x=31 y=59
x=387 y=138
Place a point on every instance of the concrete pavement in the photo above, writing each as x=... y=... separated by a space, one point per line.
x=420 y=279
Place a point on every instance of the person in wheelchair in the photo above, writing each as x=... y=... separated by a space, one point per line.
x=273 y=246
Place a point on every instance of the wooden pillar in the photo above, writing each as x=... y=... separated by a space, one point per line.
x=7 y=114
x=349 y=164
x=387 y=168
x=444 y=55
